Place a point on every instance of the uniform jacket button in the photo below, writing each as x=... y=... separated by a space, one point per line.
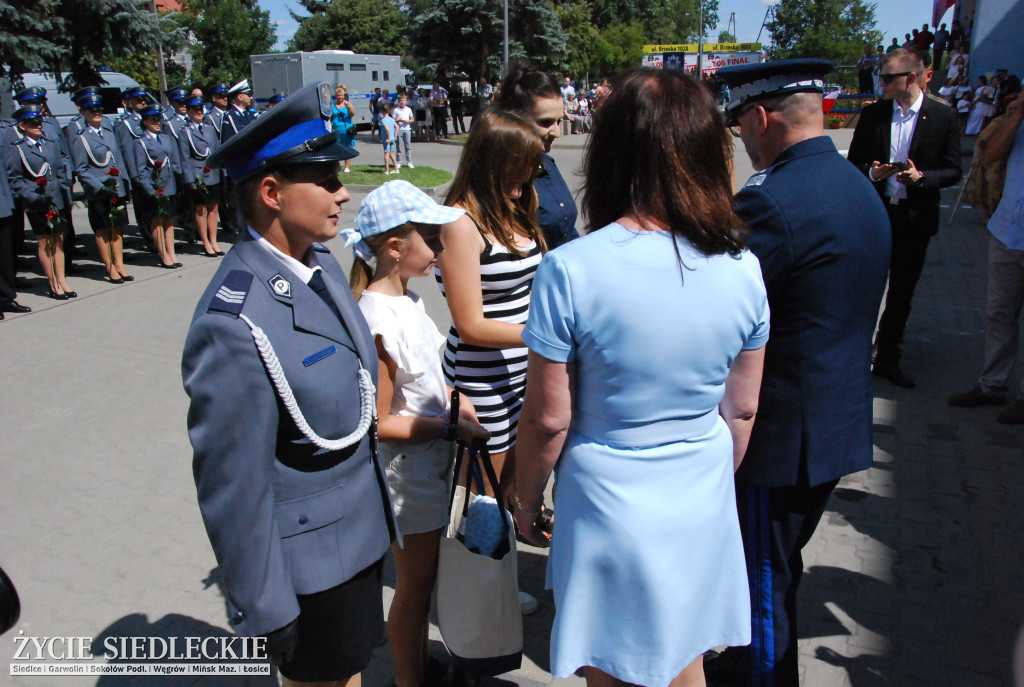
x=303 y=519
x=237 y=618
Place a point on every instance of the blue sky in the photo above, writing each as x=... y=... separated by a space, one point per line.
x=893 y=17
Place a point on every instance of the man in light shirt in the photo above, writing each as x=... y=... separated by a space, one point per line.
x=1005 y=275
x=909 y=146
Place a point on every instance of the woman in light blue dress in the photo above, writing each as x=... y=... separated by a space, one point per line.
x=342 y=113
x=646 y=345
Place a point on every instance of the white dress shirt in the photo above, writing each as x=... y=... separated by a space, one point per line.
x=903 y=124
x=302 y=271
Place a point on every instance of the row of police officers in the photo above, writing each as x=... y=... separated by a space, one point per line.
x=152 y=157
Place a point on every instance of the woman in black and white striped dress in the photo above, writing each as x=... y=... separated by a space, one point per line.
x=486 y=273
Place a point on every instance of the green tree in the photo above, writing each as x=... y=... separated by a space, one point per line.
x=467 y=35
x=577 y=23
x=836 y=30
x=226 y=32
x=365 y=26
x=619 y=47
x=77 y=36
x=726 y=37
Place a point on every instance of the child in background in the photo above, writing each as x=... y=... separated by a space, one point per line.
x=388 y=134
x=398 y=228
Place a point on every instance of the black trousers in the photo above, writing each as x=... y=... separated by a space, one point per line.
x=7 y=290
x=777 y=522
x=909 y=247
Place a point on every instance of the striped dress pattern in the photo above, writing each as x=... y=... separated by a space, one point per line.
x=494 y=379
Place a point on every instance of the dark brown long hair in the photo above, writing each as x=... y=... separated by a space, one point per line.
x=659 y=149
x=522 y=85
x=502 y=148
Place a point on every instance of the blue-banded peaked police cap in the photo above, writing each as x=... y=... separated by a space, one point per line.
x=89 y=101
x=219 y=87
x=195 y=101
x=176 y=93
x=133 y=92
x=751 y=82
x=28 y=112
x=32 y=94
x=152 y=110
x=296 y=131
x=276 y=98
x=85 y=92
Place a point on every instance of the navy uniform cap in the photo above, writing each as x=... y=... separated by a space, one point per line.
x=296 y=131
x=751 y=82
x=152 y=110
x=28 y=112
x=30 y=94
x=195 y=101
x=85 y=92
x=133 y=92
x=276 y=98
x=219 y=87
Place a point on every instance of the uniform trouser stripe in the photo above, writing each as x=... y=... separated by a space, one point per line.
x=759 y=565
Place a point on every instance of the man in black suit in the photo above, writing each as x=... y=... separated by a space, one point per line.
x=909 y=146
x=824 y=284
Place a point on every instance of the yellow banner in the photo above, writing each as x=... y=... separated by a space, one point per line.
x=708 y=47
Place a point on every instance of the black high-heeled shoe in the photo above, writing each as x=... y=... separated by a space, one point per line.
x=214 y=254
x=220 y=252
x=128 y=277
x=169 y=267
x=71 y=294
x=58 y=296
x=112 y=280
x=177 y=265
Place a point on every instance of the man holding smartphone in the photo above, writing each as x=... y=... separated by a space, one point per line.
x=909 y=146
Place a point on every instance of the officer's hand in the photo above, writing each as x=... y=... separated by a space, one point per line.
x=280 y=645
x=880 y=172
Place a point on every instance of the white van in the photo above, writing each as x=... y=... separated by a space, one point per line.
x=60 y=104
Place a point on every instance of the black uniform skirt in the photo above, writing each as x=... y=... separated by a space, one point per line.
x=211 y=197
x=148 y=206
x=40 y=225
x=99 y=213
x=339 y=629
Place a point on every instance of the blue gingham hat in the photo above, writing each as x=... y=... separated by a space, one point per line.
x=392 y=205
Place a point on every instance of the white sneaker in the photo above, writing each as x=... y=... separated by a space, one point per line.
x=347 y=170
x=397 y=167
x=527 y=603
x=411 y=166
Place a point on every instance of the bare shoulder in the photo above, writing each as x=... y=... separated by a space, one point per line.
x=462 y=233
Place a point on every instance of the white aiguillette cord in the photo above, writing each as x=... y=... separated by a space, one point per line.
x=367 y=396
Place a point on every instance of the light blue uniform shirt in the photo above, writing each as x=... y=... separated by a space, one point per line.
x=1007 y=224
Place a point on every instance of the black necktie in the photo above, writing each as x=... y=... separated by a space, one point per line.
x=318 y=285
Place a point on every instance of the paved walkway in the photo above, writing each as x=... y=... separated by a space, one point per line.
x=913 y=577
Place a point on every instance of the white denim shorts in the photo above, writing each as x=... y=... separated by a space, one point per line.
x=420 y=477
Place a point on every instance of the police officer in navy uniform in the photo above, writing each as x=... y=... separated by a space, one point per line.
x=236 y=118
x=36 y=95
x=77 y=123
x=96 y=155
x=157 y=171
x=822 y=237
x=238 y=115
x=38 y=169
x=281 y=369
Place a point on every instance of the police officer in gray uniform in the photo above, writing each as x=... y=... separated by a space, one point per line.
x=36 y=96
x=100 y=168
x=128 y=129
x=8 y=290
x=281 y=370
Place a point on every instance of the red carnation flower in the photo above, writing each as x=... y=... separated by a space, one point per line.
x=52 y=214
x=206 y=170
x=158 y=164
x=159 y=191
x=113 y=172
x=42 y=182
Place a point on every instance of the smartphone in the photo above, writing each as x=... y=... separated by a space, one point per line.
x=900 y=166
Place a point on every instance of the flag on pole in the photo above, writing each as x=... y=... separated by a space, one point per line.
x=939 y=9
x=829 y=101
